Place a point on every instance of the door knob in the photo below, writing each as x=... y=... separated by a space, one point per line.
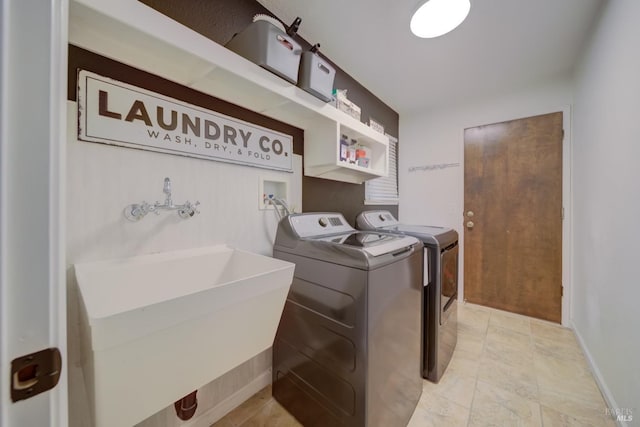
x=469 y=214
x=470 y=224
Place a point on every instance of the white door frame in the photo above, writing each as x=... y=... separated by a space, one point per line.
x=567 y=213
x=33 y=86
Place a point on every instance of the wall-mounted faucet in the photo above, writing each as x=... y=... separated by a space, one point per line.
x=137 y=211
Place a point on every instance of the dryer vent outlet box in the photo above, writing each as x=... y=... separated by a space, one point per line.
x=273 y=188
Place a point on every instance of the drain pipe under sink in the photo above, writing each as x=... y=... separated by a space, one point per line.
x=186 y=407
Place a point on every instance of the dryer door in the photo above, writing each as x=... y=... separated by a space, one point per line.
x=448 y=281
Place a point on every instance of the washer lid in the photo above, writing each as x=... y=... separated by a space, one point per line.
x=374 y=244
x=390 y=247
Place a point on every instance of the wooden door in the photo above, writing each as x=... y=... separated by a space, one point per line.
x=513 y=216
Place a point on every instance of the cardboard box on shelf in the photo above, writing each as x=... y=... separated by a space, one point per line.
x=343 y=104
x=376 y=126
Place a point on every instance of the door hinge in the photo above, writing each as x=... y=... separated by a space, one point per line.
x=561 y=290
x=563 y=212
x=35 y=373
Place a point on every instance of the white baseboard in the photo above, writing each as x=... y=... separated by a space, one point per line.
x=230 y=403
x=606 y=393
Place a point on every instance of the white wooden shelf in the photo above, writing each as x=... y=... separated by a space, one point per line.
x=135 y=34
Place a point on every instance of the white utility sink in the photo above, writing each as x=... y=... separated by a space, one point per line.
x=157 y=327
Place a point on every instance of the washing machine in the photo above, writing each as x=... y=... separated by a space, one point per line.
x=440 y=278
x=347 y=349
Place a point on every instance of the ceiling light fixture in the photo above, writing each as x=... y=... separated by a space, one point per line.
x=437 y=17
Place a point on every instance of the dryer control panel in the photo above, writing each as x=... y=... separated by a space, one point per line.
x=376 y=219
x=319 y=224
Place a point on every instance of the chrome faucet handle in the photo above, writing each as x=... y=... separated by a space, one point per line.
x=136 y=211
x=188 y=210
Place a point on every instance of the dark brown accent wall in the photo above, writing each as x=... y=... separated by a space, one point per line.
x=219 y=21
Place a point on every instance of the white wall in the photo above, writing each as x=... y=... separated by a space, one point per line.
x=436 y=137
x=103 y=179
x=606 y=181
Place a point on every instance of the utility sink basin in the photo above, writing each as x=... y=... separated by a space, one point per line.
x=157 y=327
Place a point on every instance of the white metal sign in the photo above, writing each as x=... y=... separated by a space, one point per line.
x=116 y=113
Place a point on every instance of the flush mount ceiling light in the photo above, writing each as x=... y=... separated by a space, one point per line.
x=437 y=17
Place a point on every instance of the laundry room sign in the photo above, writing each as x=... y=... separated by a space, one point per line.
x=116 y=113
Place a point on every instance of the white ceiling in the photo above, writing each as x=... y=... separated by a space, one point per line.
x=503 y=45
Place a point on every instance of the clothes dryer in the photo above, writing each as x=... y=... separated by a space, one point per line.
x=440 y=279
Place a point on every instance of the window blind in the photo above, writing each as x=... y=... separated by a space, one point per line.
x=384 y=191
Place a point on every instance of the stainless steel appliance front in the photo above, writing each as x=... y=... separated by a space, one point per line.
x=347 y=351
x=440 y=272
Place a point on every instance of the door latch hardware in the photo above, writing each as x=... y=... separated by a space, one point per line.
x=35 y=373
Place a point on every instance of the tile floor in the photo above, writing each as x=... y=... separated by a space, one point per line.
x=507 y=370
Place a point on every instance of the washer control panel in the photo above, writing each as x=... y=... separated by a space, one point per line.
x=318 y=224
